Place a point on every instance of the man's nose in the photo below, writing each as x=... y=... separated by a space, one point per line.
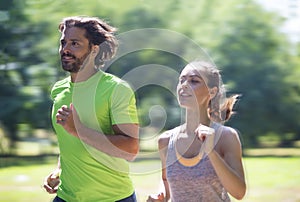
x=65 y=48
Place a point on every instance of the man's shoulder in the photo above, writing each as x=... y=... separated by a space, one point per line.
x=108 y=77
x=62 y=82
x=59 y=86
x=115 y=81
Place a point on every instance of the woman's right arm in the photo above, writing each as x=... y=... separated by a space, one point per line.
x=163 y=142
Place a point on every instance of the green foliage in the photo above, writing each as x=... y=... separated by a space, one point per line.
x=19 y=100
x=4 y=141
x=256 y=62
x=243 y=40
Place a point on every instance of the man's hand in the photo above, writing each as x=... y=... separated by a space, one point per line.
x=156 y=198
x=52 y=182
x=67 y=117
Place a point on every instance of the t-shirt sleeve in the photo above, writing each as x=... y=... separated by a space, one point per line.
x=123 y=105
x=57 y=88
x=53 y=92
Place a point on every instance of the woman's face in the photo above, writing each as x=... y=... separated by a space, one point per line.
x=192 y=90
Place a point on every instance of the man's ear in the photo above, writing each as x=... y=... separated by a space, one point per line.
x=95 y=49
x=213 y=92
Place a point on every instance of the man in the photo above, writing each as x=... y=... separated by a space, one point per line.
x=94 y=116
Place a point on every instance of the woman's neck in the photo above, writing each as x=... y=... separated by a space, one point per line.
x=194 y=118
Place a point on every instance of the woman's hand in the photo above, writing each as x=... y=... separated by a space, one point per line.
x=52 y=181
x=207 y=136
x=156 y=198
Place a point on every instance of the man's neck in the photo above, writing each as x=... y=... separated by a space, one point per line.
x=83 y=75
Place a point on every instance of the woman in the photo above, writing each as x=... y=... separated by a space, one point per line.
x=202 y=159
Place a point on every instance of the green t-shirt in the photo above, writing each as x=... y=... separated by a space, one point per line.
x=88 y=174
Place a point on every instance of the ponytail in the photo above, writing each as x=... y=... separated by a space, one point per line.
x=227 y=108
x=223 y=113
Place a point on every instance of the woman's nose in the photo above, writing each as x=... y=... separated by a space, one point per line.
x=184 y=84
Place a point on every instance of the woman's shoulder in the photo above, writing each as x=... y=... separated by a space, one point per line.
x=164 y=138
x=230 y=138
x=229 y=132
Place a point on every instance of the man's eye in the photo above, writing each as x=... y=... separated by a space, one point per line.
x=195 y=81
x=75 y=43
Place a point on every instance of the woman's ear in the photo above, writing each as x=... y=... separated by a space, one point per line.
x=213 y=92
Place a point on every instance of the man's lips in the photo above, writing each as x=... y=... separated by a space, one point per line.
x=67 y=57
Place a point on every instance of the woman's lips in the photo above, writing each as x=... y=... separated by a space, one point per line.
x=184 y=94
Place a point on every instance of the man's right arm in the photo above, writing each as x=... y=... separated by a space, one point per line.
x=52 y=181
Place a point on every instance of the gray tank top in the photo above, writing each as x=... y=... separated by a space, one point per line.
x=198 y=183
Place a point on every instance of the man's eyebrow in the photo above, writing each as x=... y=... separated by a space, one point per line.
x=71 y=40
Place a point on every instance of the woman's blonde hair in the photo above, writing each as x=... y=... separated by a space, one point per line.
x=220 y=108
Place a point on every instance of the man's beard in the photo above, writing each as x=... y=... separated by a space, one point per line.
x=75 y=66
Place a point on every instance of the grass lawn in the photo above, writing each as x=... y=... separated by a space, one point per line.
x=23 y=183
x=273 y=179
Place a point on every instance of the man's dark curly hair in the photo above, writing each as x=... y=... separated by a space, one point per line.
x=98 y=32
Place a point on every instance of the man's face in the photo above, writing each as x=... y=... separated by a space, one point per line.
x=74 y=48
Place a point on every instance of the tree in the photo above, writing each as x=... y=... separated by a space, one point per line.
x=240 y=37
x=11 y=35
x=19 y=102
x=255 y=60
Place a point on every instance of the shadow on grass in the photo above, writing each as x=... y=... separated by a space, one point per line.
x=272 y=152
x=14 y=160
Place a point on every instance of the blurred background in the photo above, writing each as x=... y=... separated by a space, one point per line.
x=255 y=43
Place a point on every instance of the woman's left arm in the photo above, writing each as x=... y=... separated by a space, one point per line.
x=228 y=163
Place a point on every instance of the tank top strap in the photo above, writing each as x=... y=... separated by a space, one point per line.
x=173 y=133
x=171 y=153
